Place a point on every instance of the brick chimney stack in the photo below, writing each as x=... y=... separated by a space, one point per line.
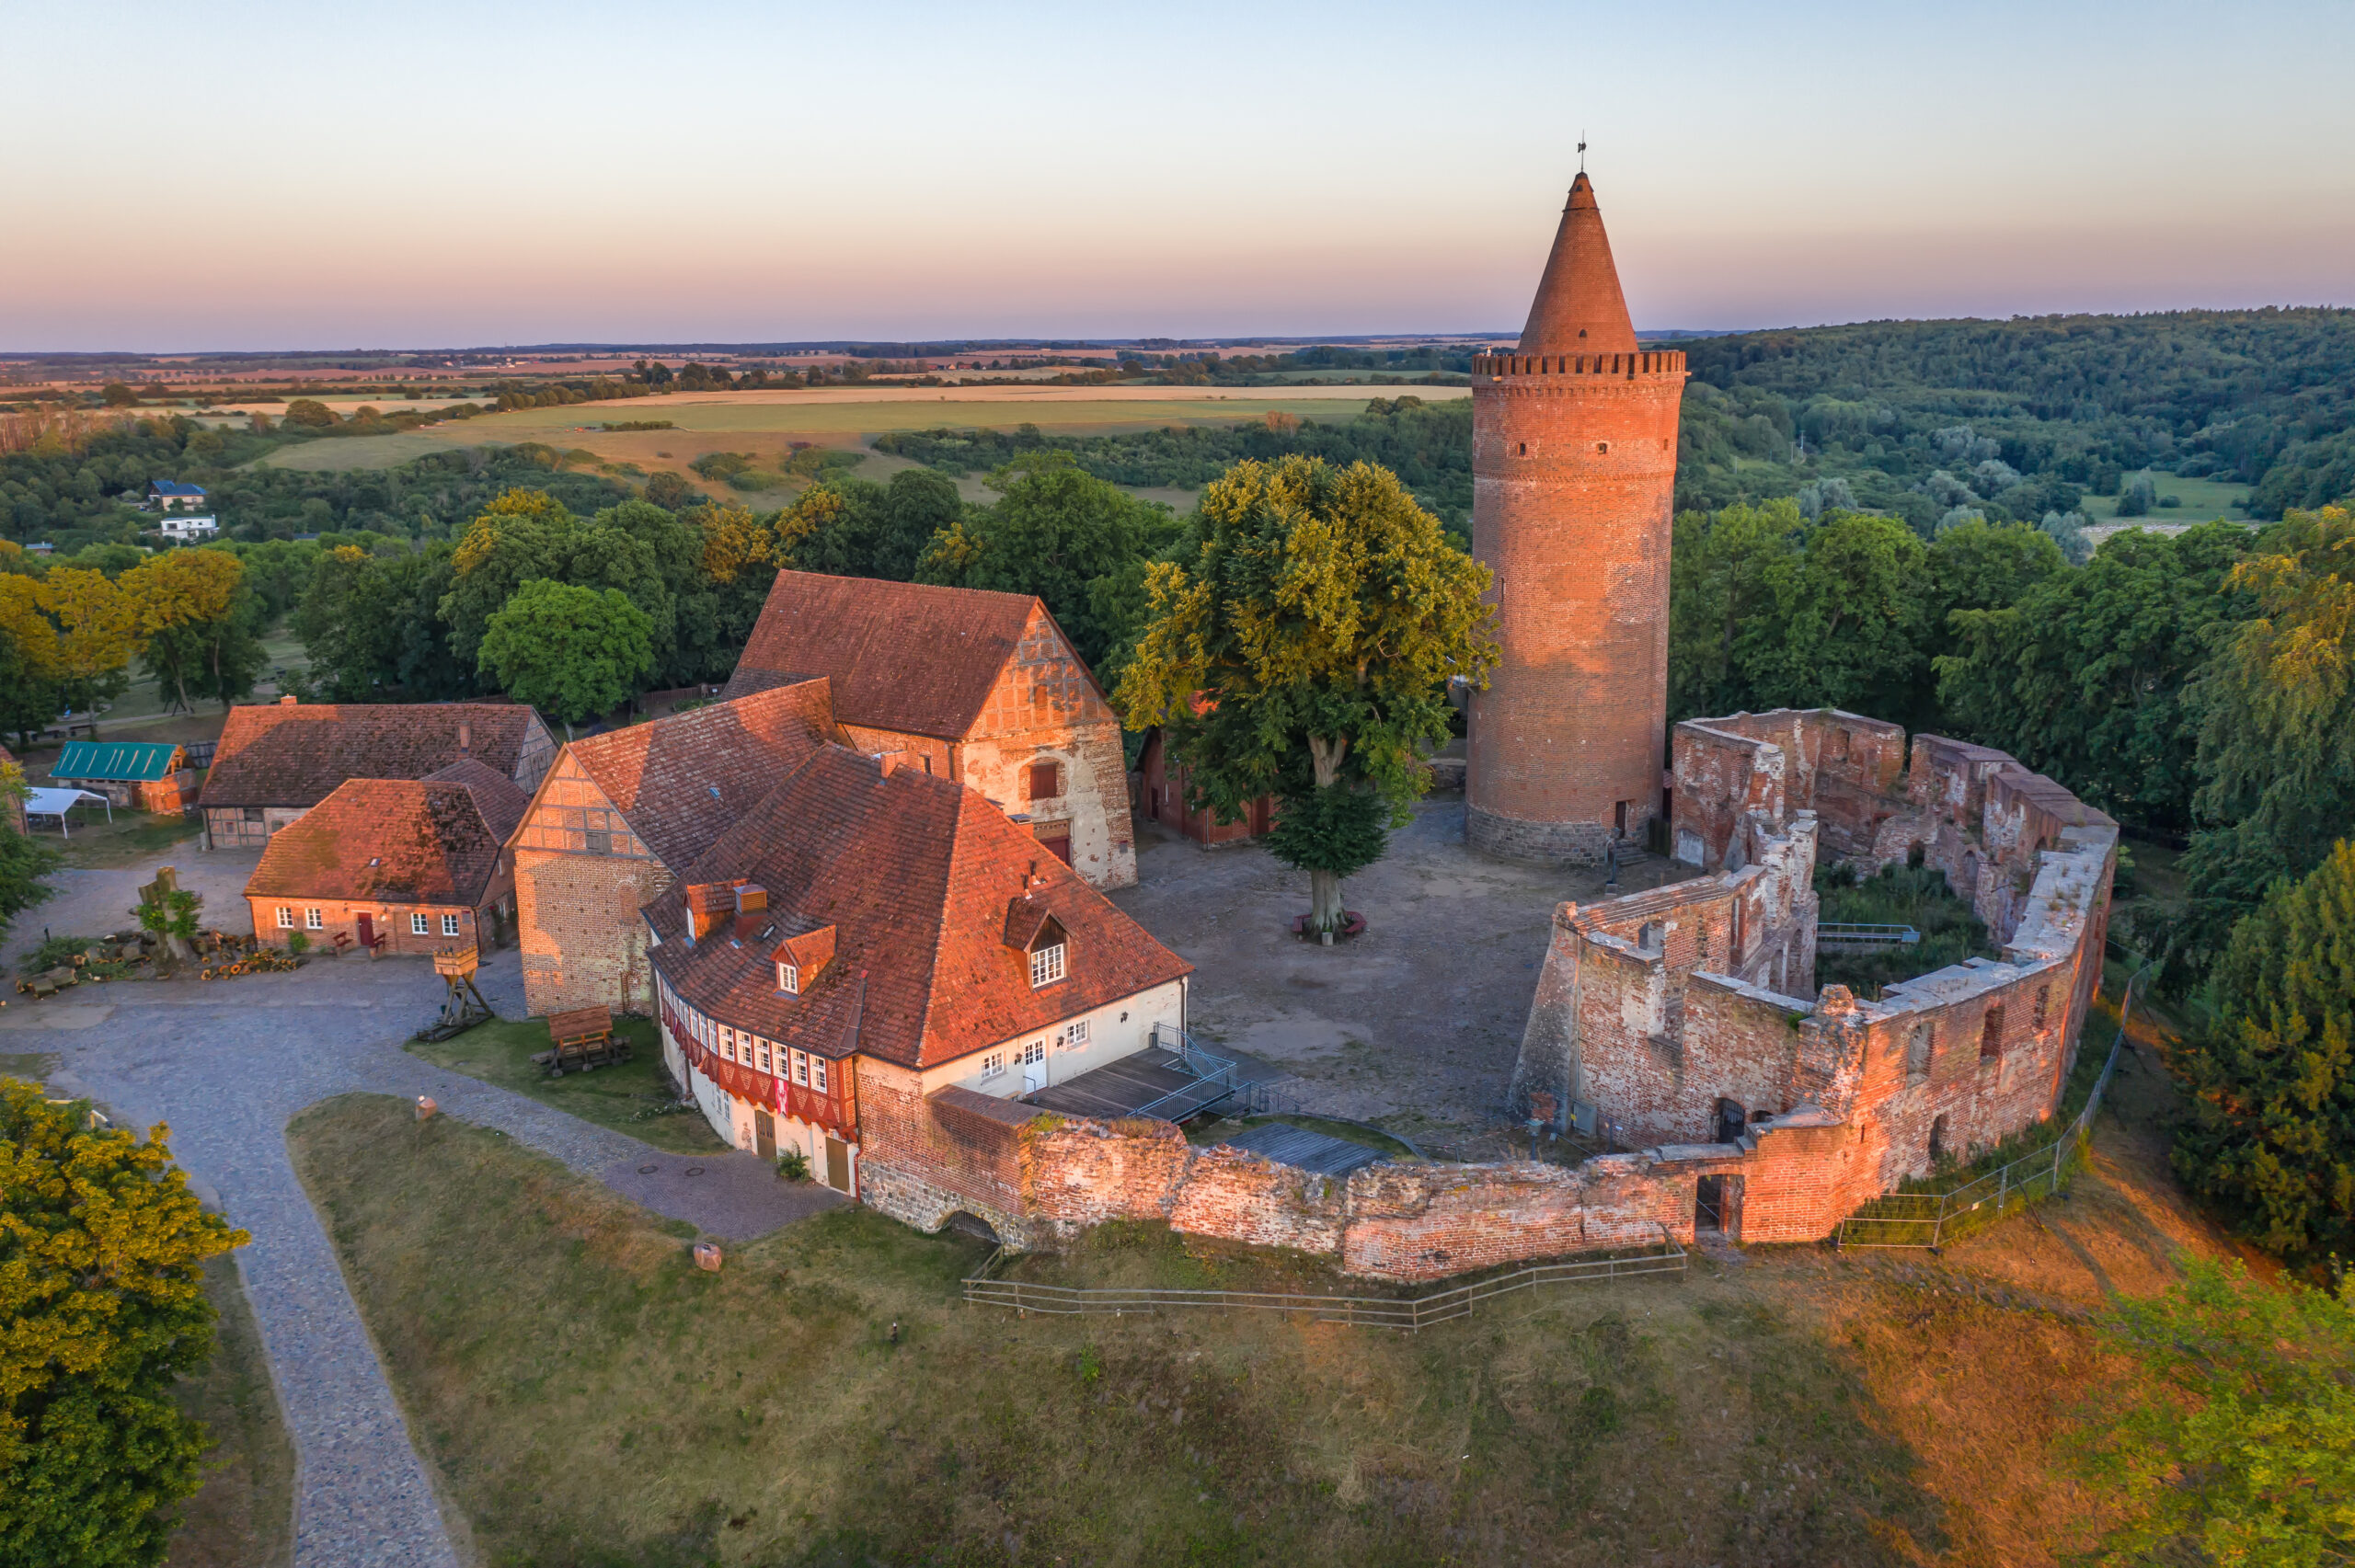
x=1573 y=493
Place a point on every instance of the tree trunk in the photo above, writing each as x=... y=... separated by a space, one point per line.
x=1324 y=902
x=1325 y=887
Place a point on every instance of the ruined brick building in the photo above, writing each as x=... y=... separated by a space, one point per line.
x=1573 y=485
x=983 y=689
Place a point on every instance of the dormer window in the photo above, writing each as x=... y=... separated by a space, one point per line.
x=788 y=978
x=1047 y=963
x=799 y=958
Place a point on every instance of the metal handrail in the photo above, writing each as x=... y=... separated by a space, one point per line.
x=1840 y=932
x=2015 y=1180
x=1412 y=1314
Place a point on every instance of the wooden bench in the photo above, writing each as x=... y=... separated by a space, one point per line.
x=581 y=1038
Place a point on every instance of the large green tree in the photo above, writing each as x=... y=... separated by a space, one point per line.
x=23 y=860
x=2247 y=1452
x=2084 y=676
x=1304 y=651
x=572 y=652
x=102 y=1309
x=199 y=625
x=2277 y=728
x=2271 y=1134
x=527 y=535
x=1054 y=531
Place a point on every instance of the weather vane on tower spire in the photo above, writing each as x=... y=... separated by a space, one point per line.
x=1582 y=152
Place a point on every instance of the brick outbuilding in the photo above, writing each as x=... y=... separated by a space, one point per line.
x=276 y=762
x=393 y=865
x=982 y=689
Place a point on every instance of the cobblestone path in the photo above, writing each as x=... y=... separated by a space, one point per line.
x=227 y=1065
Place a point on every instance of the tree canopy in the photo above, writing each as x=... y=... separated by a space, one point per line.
x=102 y=1247
x=1304 y=651
x=572 y=652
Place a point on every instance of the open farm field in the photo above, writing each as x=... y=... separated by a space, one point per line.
x=826 y=1398
x=334 y=454
x=2204 y=500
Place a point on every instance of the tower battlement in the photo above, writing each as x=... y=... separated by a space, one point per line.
x=1496 y=367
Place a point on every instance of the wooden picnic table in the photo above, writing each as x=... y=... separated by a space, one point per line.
x=582 y=1037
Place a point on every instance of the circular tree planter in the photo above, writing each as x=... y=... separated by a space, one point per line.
x=1352 y=924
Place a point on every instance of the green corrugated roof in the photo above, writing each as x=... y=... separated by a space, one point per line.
x=116 y=759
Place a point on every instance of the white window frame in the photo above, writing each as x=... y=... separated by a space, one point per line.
x=314 y=919
x=452 y=925
x=818 y=1074
x=286 y=917
x=761 y=1047
x=1075 y=1033
x=801 y=1068
x=1034 y=1052
x=993 y=1064
x=789 y=978
x=419 y=926
x=1048 y=965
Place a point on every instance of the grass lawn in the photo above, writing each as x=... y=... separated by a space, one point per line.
x=620 y=1098
x=132 y=835
x=245 y=1515
x=593 y=1399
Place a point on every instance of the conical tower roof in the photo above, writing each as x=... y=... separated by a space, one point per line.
x=1580 y=309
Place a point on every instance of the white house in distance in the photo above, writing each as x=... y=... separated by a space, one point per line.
x=184 y=528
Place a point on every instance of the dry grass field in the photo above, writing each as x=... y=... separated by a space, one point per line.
x=767 y=424
x=593 y=1399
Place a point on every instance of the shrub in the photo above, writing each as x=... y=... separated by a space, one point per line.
x=793 y=1166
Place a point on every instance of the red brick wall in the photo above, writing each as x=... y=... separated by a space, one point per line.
x=390 y=922
x=1241 y=1197
x=1046 y=706
x=1076 y=1173
x=578 y=923
x=1574 y=470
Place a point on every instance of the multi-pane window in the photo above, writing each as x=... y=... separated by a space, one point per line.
x=992 y=1064
x=1076 y=1033
x=788 y=978
x=417 y=925
x=449 y=925
x=1047 y=965
x=761 y=1047
x=801 y=1067
x=286 y=918
x=818 y=1074
x=316 y=918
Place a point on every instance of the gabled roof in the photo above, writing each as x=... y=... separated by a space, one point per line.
x=1579 y=308
x=399 y=841
x=679 y=781
x=901 y=656
x=116 y=759
x=916 y=874
x=297 y=754
x=173 y=487
x=499 y=799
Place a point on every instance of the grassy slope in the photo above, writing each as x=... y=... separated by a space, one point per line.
x=593 y=1399
x=245 y=1515
x=501 y=1052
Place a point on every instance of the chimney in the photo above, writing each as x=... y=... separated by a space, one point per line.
x=893 y=762
x=750 y=899
x=287 y=701
x=466 y=738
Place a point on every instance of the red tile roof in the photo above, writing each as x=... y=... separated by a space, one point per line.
x=400 y=841
x=901 y=656
x=679 y=781
x=498 y=797
x=916 y=874
x=297 y=753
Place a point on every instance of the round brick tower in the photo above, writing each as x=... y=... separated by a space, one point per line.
x=1573 y=485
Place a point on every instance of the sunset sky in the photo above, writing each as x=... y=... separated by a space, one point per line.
x=234 y=174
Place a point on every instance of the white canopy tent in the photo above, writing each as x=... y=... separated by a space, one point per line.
x=58 y=802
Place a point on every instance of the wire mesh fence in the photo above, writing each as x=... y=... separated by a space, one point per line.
x=1411 y=1313
x=1933 y=1219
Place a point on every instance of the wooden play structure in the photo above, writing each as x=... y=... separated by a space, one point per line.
x=463 y=1007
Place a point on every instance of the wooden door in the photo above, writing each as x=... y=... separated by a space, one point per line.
x=367 y=930
x=764 y=1132
x=838 y=1164
x=1060 y=847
